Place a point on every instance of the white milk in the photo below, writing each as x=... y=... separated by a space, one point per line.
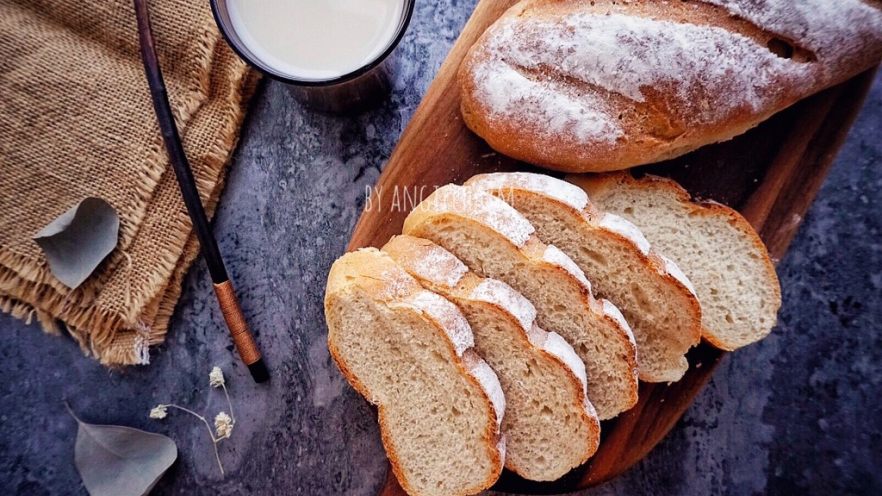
x=316 y=39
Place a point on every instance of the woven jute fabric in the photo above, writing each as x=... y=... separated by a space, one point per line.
x=76 y=121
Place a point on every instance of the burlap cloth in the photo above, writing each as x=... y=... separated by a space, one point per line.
x=76 y=121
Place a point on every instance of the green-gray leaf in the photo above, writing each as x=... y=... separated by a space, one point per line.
x=79 y=239
x=121 y=461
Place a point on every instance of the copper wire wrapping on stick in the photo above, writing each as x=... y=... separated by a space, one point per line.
x=239 y=331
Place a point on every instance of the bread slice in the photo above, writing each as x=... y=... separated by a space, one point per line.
x=656 y=299
x=714 y=245
x=494 y=240
x=543 y=379
x=408 y=351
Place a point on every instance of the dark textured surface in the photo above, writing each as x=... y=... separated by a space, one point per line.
x=797 y=413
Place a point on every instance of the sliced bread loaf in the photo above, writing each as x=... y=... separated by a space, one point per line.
x=714 y=245
x=542 y=377
x=494 y=240
x=408 y=351
x=656 y=299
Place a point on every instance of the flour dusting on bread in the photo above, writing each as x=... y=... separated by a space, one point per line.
x=625 y=229
x=480 y=370
x=561 y=191
x=614 y=313
x=439 y=265
x=605 y=85
x=509 y=93
x=554 y=256
x=674 y=270
x=835 y=30
x=447 y=315
x=558 y=346
x=489 y=210
x=542 y=378
x=626 y=55
x=501 y=294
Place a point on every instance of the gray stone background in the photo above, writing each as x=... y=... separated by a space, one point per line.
x=797 y=413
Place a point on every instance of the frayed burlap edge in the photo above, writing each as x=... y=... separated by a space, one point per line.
x=39 y=281
x=23 y=281
x=130 y=346
x=113 y=338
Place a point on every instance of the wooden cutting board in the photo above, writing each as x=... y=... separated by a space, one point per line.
x=771 y=175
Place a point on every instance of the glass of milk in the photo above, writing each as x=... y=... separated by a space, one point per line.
x=334 y=53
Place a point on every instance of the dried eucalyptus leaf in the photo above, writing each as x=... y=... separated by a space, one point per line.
x=121 y=461
x=79 y=239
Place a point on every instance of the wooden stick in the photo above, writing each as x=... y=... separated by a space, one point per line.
x=226 y=296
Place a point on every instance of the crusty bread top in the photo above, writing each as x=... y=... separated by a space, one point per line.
x=562 y=191
x=480 y=370
x=695 y=216
x=674 y=323
x=569 y=195
x=605 y=85
x=371 y=276
x=508 y=337
x=378 y=274
x=504 y=296
x=463 y=212
x=423 y=259
x=842 y=35
x=438 y=268
x=486 y=209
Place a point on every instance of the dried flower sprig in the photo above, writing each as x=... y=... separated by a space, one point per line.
x=223 y=423
x=159 y=412
x=216 y=379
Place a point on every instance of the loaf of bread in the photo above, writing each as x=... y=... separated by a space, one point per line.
x=605 y=85
x=495 y=241
x=408 y=351
x=656 y=298
x=713 y=244
x=543 y=379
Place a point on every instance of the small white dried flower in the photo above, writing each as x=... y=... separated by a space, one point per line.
x=159 y=412
x=216 y=377
x=223 y=425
